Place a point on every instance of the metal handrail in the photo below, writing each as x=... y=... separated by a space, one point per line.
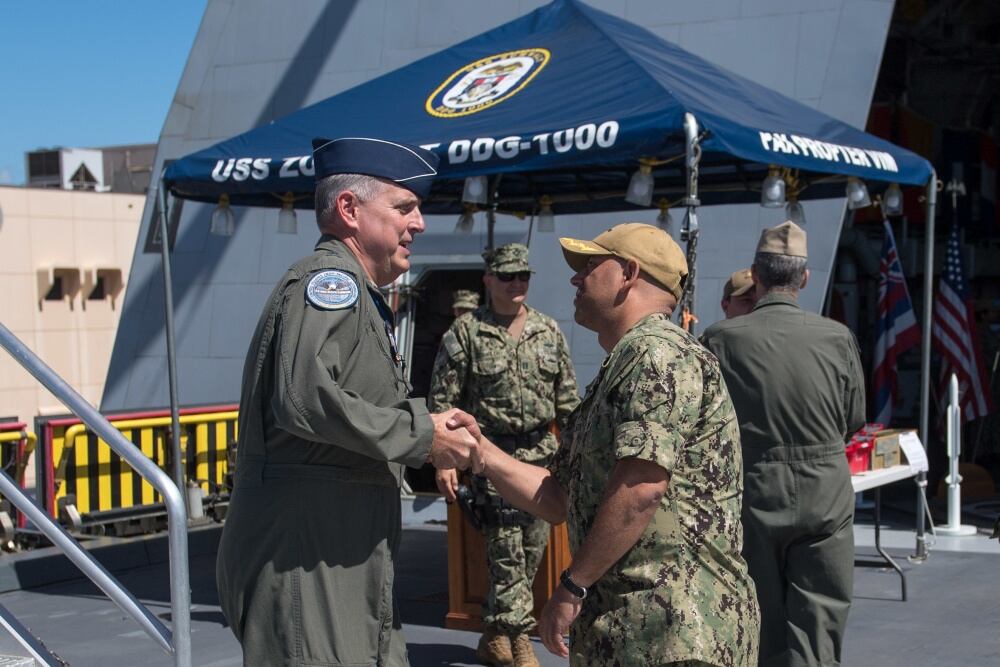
x=177 y=642
x=86 y=562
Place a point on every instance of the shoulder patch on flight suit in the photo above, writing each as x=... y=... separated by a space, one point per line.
x=452 y=346
x=332 y=290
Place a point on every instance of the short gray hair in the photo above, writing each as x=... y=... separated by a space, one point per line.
x=365 y=187
x=779 y=271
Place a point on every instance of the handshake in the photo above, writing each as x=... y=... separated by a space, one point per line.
x=457 y=442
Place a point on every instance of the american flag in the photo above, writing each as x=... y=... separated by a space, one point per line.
x=956 y=338
x=897 y=326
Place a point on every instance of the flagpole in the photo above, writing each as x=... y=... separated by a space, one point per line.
x=925 y=364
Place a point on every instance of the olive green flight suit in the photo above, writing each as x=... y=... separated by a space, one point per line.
x=305 y=564
x=796 y=382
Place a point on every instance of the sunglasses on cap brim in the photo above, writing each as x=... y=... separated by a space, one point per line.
x=505 y=277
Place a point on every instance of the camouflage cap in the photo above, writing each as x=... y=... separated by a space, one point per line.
x=658 y=255
x=508 y=258
x=465 y=298
x=785 y=239
x=738 y=284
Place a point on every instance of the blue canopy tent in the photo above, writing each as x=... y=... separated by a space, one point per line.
x=563 y=102
x=562 y=108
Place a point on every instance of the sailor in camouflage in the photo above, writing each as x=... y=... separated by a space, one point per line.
x=465 y=301
x=508 y=365
x=648 y=477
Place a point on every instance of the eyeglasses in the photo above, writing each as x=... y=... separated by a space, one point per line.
x=523 y=276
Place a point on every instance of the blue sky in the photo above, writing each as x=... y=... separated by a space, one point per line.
x=88 y=73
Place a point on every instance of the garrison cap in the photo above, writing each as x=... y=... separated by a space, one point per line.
x=508 y=258
x=657 y=254
x=738 y=284
x=411 y=167
x=465 y=298
x=785 y=239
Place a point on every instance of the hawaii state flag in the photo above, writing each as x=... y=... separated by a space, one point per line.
x=897 y=328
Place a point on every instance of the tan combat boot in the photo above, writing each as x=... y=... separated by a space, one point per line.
x=494 y=648
x=524 y=654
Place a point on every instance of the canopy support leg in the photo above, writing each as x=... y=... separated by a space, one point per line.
x=168 y=321
x=925 y=365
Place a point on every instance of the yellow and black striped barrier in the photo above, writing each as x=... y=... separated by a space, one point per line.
x=101 y=486
x=16 y=445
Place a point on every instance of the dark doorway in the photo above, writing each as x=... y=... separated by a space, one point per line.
x=433 y=295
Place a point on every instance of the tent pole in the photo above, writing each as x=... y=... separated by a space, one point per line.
x=168 y=322
x=925 y=364
x=492 y=197
x=689 y=231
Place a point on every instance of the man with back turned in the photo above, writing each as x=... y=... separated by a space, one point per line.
x=797 y=385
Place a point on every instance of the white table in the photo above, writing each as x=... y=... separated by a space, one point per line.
x=874 y=480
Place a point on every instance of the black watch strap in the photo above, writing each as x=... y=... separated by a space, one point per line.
x=572 y=586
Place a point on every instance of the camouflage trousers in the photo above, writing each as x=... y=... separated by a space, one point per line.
x=513 y=554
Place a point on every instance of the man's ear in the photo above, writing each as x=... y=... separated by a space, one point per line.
x=805 y=279
x=631 y=272
x=347 y=204
x=758 y=287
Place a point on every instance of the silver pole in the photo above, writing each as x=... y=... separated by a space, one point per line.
x=689 y=230
x=925 y=364
x=173 y=497
x=954 y=479
x=954 y=451
x=168 y=322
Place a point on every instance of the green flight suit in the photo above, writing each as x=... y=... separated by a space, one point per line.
x=797 y=385
x=305 y=564
x=512 y=387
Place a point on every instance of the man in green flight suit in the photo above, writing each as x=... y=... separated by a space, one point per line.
x=508 y=365
x=305 y=563
x=797 y=385
x=647 y=477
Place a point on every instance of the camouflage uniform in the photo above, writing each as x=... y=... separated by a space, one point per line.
x=512 y=388
x=682 y=593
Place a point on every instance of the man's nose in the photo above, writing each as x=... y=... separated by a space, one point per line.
x=576 y=279
x=417 y=225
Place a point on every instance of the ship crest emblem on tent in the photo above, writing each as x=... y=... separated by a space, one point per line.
x=485 y=82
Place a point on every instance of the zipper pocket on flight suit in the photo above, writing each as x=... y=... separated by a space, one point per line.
x=383 y=344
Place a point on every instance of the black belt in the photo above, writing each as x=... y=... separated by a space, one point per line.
x=509 y=442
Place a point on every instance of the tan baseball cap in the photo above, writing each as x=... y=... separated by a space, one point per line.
x=785 y=239
x=738 y=284
x=658 y=255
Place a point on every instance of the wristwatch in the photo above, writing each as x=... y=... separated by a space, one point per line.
x=572 y=586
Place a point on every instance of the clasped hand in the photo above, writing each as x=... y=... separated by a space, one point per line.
x=456 y=441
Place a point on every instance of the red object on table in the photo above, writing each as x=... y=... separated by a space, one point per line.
x=859 y=449
x=859 y=455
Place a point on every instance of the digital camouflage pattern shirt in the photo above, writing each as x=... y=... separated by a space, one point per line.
x=509 y=386
x=683 y=591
